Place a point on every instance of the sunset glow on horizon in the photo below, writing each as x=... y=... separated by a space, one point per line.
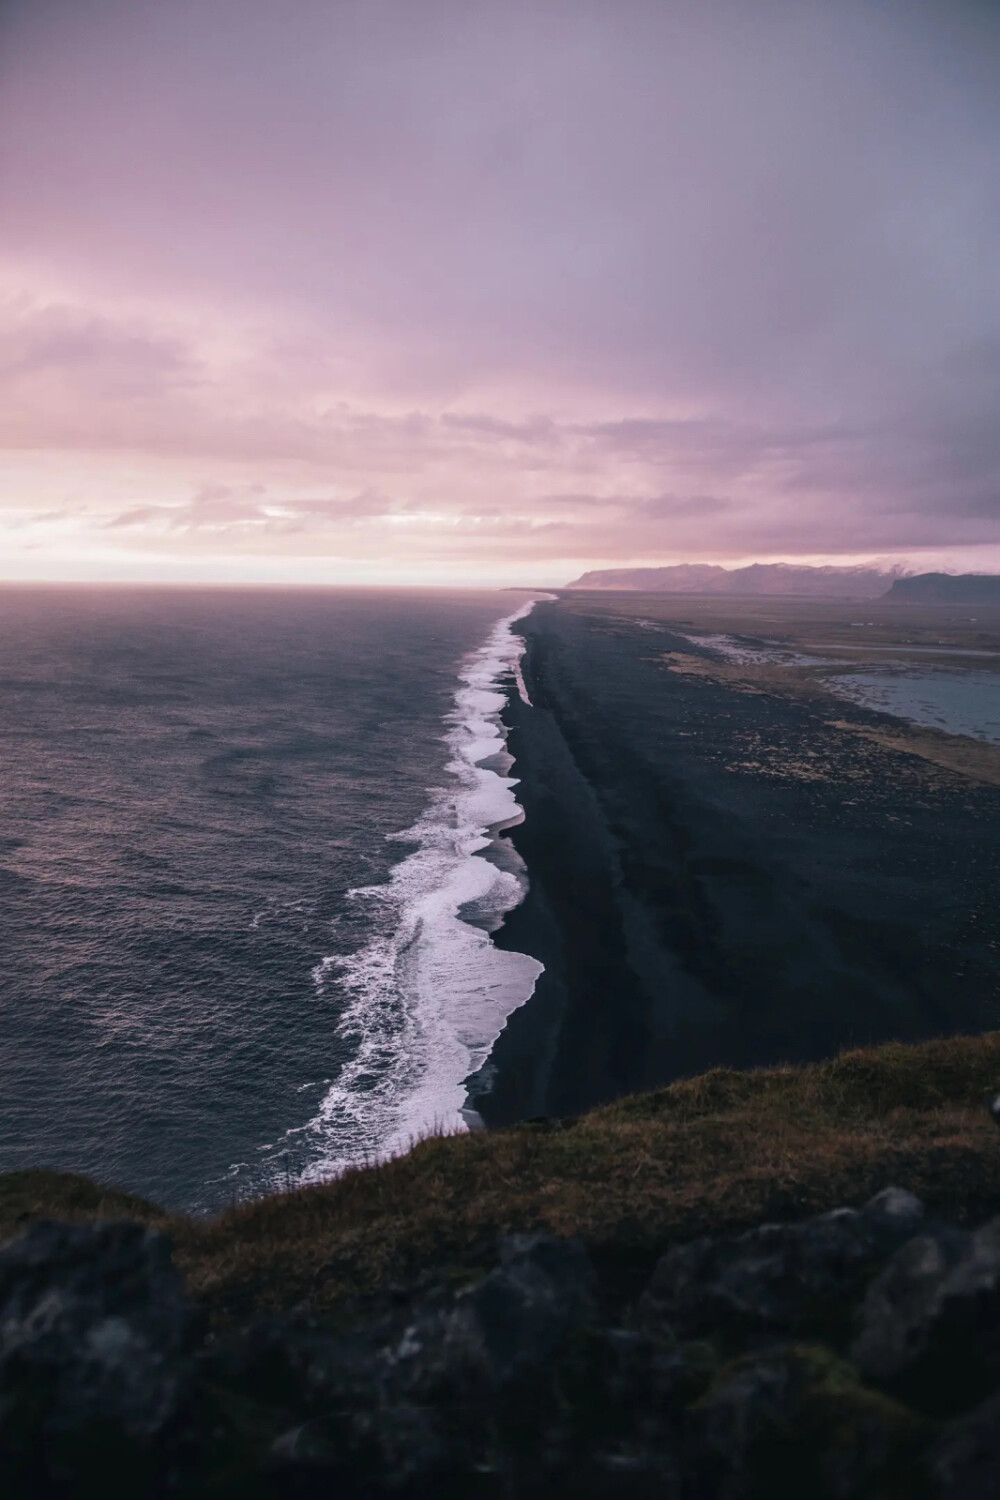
x=495 y=293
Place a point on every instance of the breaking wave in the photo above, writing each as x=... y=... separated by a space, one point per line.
x=423 y=1001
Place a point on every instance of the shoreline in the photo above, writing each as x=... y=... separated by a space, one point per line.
x=428 y=991
x=694 y=906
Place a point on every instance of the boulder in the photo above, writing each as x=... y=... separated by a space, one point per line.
x=94 y=1333
x=929 y=1326
x=795 y=1421
x=504 y=1325
x=787 y=1277
x=462 y=1388
x=964 y=1464
x=619 y=1416
x=298 y=1364
x=893 y=1319
x=519 y=1314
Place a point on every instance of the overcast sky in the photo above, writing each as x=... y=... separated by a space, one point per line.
x=454 y=291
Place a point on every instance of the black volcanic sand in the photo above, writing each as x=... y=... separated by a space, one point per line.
x=721 y=877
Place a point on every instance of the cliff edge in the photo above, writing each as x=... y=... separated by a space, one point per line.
x=743 y=1284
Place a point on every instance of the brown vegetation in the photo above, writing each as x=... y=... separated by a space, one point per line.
x=723 y=1150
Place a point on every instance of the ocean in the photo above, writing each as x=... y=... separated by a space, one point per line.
x=249 y=865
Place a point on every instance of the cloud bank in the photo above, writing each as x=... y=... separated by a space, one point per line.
x=496 y=291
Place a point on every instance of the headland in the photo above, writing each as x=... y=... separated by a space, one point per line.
x=746 y=1284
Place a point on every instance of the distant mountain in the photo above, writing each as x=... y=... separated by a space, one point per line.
x=947 y=588
x=758 y=578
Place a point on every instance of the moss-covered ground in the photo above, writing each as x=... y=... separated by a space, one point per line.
x=721 y=1151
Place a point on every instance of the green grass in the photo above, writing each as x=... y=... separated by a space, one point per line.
x=721 y=1151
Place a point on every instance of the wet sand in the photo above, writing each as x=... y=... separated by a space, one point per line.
x=731 y=869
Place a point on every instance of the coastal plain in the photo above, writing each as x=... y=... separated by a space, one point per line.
x=732 y=860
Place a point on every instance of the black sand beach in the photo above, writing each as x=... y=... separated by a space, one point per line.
x=725 y=874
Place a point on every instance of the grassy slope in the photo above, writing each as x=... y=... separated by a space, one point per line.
x=720 y=1151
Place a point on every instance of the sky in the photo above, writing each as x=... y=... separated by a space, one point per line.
x=483 y=291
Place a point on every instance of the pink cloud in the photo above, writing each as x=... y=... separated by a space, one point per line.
x=539 y=282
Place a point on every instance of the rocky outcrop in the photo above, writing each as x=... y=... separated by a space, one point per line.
x=848 y=1355
x=795 y=1421
x=780 y=1278
x=95 y=1343
x=930 y=1323
x=946 y=588
x=965 y=1463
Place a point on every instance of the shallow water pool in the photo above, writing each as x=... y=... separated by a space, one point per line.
x=957 y=702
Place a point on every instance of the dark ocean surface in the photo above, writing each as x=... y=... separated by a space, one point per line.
x=218 y=969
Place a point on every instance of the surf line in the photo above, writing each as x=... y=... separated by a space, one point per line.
x=423 y=1001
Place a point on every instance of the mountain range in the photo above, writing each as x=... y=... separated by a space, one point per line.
x=758 y=578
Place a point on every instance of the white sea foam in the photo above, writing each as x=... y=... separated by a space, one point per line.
x=426 y=1000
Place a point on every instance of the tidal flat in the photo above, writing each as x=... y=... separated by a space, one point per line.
x=733 y=862
x=926 y=667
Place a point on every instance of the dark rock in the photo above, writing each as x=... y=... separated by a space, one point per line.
x=462 y=1388
x=893 y=1319
x=929 y=1326
x=965 y=1462
x=599 y=1421
x=94 y=1327
x=520 y=1313
x=795 y=1421
x=518 y=1385
x=504 y=1325
x=297 y=1364
x=893 y=1215
x=366 y=1411
x=622 y=1398
x=778 y=1276
x=395 y=1450
x=301 y=1460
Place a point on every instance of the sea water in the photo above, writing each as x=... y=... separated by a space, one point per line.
x=251 y=855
